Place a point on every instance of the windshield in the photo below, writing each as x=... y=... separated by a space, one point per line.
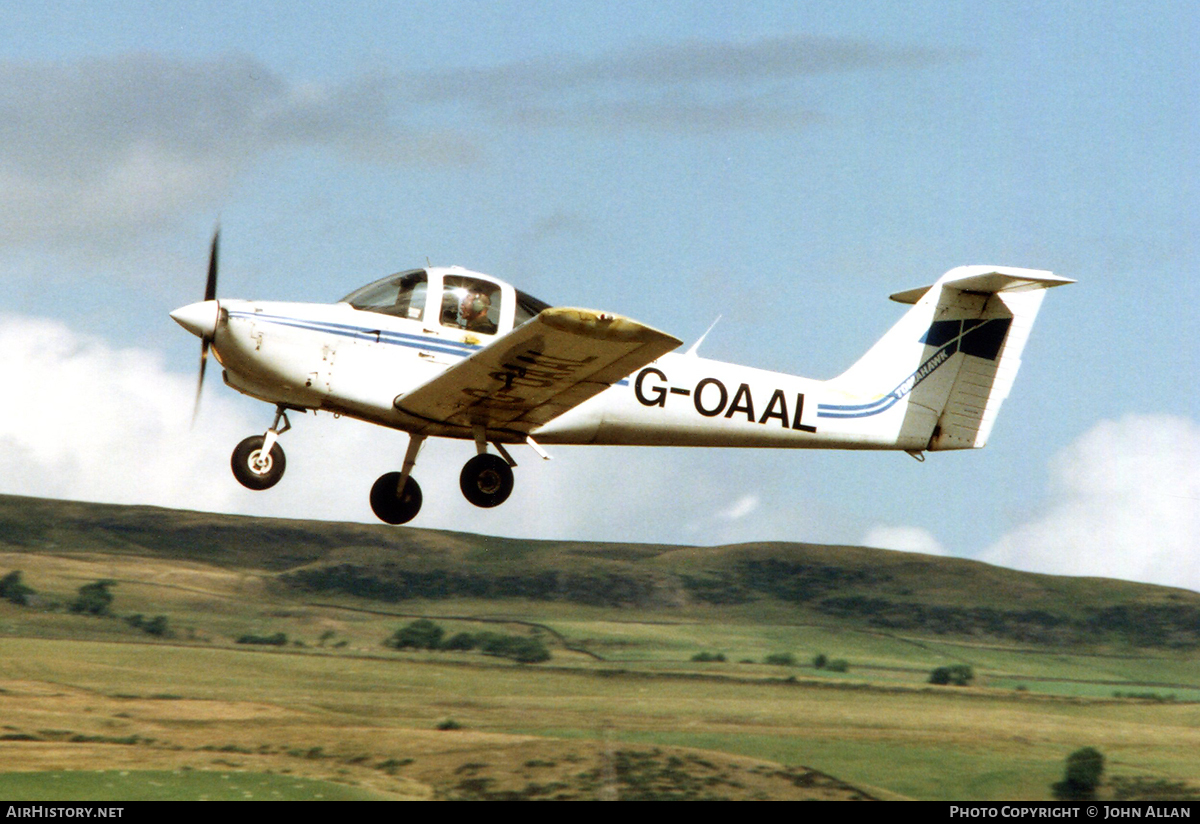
x=402 y=295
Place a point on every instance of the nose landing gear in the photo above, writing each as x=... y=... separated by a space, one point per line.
x=258 y=461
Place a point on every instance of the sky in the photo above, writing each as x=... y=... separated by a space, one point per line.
x=785 y=166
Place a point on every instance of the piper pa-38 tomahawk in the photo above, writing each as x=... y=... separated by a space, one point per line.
x=446 y=352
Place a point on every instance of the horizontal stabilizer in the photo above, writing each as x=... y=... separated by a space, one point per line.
x=988 y=280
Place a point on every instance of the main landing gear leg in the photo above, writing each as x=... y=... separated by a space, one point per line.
x=396 y=496
x=258 y=461
x=487 y=480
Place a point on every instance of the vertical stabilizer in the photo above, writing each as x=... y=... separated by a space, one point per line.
x=937 y=379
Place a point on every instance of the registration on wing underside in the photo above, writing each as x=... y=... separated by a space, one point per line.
x=538 y=371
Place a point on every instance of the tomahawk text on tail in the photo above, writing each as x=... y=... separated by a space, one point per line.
x=446 y=352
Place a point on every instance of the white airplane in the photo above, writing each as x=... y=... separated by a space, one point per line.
x=446 y=352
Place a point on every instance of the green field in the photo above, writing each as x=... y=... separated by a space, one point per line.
x=94 y=707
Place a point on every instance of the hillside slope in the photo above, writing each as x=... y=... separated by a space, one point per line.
x=853 y=586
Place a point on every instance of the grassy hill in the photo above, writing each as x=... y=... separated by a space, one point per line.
x=834 y=585
x=676 y=672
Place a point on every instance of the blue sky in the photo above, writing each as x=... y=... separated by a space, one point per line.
x=784 y=165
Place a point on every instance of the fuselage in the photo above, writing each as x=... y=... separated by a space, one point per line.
x=344 y=360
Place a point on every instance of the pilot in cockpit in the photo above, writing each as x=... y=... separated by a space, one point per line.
x=473 y=313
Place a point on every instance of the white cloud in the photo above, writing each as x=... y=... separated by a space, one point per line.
x=742 y=507
x=903 y=538
x=84 y=420
x=1123 y=502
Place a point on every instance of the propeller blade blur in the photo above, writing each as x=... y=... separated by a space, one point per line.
x=210 y=286
x=200 y=382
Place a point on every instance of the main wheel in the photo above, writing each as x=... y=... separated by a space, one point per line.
x=254 y=468
x=389 y=504
x=486 y=480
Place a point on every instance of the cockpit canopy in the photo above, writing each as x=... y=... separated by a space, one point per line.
x=450 y=298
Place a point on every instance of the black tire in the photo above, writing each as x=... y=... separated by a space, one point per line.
x=255 y=470
x=486 y=480
x=390 y=507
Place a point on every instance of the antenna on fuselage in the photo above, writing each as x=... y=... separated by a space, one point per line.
x=696 y=345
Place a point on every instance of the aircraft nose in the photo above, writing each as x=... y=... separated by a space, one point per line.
x=198 y=318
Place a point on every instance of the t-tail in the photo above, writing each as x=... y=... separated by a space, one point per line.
x=937 y=379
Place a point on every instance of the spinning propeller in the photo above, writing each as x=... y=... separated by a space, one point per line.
x=201 y=318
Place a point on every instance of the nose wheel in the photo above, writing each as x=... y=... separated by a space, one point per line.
x=258 y=461
x=486 y=480
x=256 y=467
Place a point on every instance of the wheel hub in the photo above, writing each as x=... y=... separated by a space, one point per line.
x=488 y=482
x=260 y=462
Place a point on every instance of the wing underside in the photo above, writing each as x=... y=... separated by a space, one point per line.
x=535 y=373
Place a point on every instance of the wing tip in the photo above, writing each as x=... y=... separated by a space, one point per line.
x=603 y=326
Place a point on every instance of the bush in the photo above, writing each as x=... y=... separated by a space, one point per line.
x=959 y=675
x=460 y=642
x=838 y=665
x=156 y=626
x=276 y=640
x=1084 y=768
x=522 y=650
x=11 y=588
x=781 y=659
x=819 y=661
x=708 y=657
x=93 y=599
x=420 y=634
x=425 y=634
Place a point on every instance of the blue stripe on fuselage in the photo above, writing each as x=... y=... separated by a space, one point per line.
x=407 y=340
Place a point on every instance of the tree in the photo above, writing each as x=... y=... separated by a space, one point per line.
x=93 y=599
x=1084 y=768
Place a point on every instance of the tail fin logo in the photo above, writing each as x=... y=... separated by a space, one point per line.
x=979 y=338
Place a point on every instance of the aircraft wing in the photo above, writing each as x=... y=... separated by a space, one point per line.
x=538 y=371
